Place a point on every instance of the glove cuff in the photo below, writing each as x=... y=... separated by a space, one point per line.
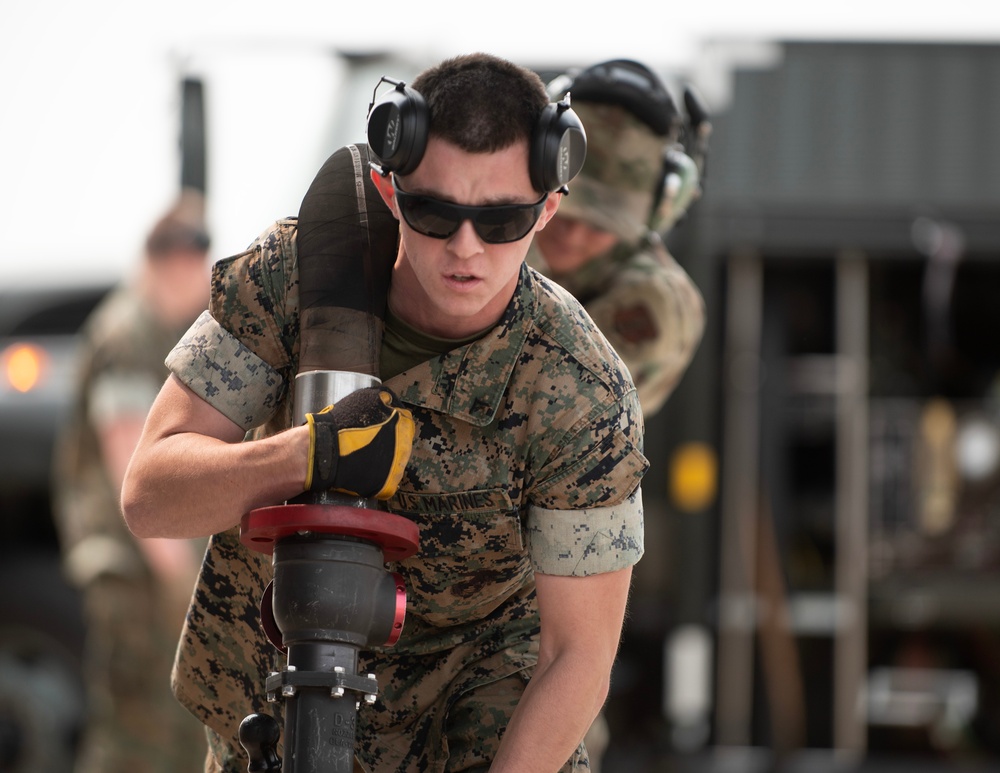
x=324 y=454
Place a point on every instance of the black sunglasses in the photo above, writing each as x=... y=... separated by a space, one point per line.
x=498 y=224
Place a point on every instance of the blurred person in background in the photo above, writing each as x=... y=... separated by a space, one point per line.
x=605 y=243
x=135 y=591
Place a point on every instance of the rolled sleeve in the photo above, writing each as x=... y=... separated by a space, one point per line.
x=221 y=370
x=117 y=395
x=584 y=542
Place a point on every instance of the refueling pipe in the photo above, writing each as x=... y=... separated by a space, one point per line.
x=331 y=595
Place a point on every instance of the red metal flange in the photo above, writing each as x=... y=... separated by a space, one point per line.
x=397 y=536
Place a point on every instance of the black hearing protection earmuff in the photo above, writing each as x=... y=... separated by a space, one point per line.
x=397 y=128
x=558 y=147
x=630 y=85
x=398 y=125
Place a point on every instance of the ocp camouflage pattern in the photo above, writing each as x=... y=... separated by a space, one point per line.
x=532 y=433
x=647 y=306
x=133 y=616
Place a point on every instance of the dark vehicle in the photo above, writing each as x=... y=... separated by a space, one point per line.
x=41 y=625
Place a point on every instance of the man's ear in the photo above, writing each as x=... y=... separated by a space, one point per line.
x=384 y=186
x=551 y=206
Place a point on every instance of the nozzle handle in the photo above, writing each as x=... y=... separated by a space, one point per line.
x=259 y=736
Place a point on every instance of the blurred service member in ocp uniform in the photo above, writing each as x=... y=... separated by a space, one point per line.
x=135 y=591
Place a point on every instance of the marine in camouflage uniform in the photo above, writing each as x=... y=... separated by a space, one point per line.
x=133 y=614
x=636 y=292
x=528 y=458
x=523 y=478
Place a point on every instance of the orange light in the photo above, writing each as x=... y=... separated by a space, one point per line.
x=693 y=477
x=23 y=366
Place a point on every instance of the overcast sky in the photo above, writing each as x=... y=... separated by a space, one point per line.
x=89 y=134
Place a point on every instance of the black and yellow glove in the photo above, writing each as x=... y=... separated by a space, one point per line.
x=360 y=445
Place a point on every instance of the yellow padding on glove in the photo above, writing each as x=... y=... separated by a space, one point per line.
x=371 y=457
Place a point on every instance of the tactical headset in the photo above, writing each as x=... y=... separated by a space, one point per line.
x=634 y=87
x=398 y=125
x=626 y=83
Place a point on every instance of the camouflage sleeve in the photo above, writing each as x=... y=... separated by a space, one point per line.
x=237 y=356
x=124 y=351
x=580 y=543
x=218 y=368
x=114 y=395
x=586 y=515
x=654 y=317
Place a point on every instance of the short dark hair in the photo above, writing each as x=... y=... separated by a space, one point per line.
x=181 y=228
x=482 y=103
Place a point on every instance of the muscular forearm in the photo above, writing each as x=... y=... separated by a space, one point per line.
x=192 y=475
x=189 y=485
x=558 y=706
x=581 y=622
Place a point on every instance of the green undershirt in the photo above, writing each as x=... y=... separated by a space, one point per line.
x=403 y=346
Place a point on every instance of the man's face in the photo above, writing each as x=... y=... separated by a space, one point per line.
x=178 y=285
x=567 y=244
x=458 y=286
